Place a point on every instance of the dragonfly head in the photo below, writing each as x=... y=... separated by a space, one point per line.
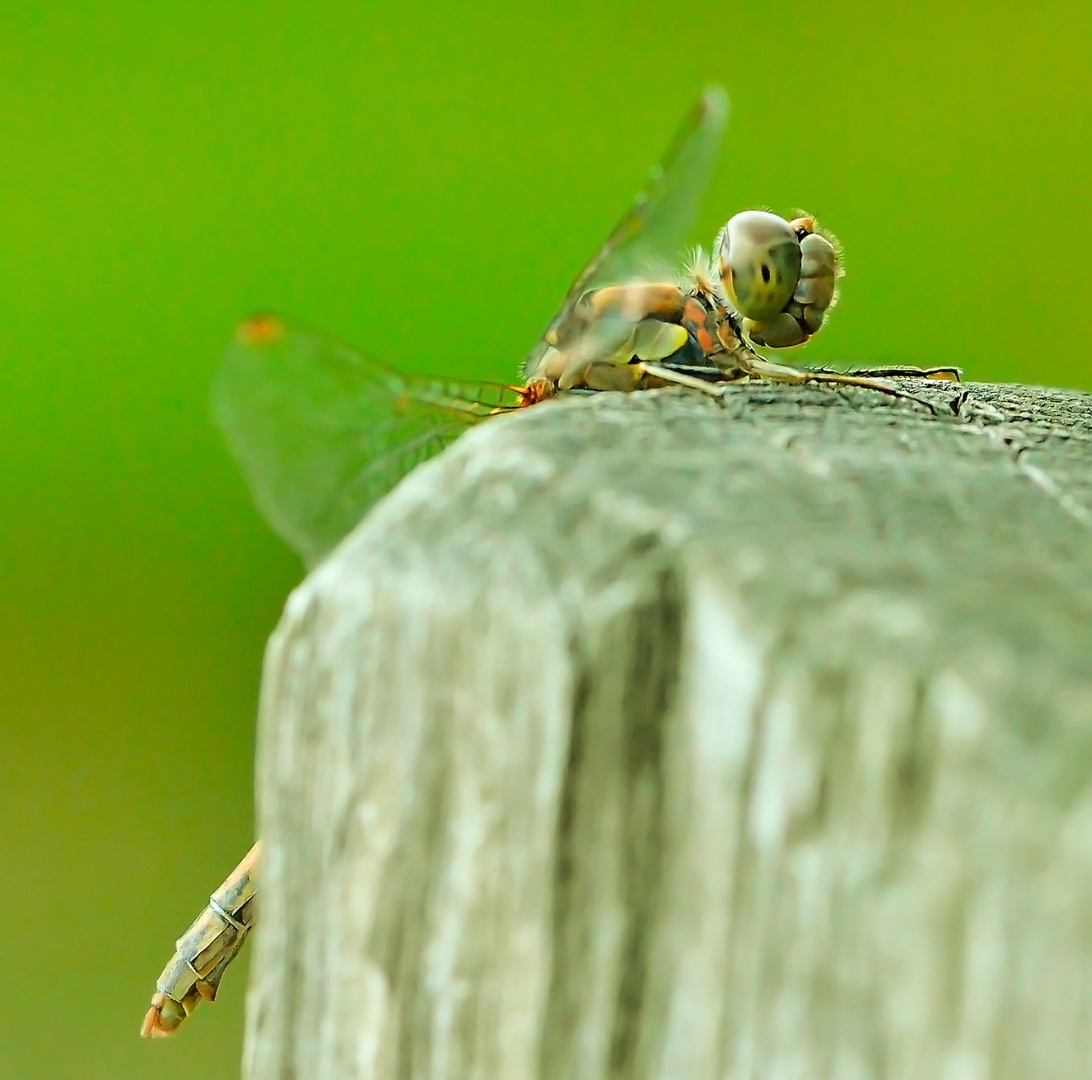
x=781 y=276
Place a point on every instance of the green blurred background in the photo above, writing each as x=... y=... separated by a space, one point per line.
x=424 y=181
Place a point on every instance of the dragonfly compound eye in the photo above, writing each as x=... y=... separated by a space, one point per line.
x=759 y=263
x=819 y=272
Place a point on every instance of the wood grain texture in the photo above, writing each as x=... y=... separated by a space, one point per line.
x=653 y=736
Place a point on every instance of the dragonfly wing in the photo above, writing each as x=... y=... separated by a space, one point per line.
x=649 y=239
x=322 y=431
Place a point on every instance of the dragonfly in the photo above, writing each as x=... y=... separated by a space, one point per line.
x=321 y=430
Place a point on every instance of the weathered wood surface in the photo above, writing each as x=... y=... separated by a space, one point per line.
x=661 y=737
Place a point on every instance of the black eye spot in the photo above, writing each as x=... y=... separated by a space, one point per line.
x=765 y=273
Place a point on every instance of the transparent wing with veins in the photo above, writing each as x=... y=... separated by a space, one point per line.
x=321 y=431
x=652 y=236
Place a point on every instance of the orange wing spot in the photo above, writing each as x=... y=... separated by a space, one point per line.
x=260 y=330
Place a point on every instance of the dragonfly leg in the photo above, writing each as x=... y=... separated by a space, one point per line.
x=681 y=378
x=935 y=374
x=760 y=368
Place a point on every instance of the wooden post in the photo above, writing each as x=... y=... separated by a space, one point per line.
x=654 y=736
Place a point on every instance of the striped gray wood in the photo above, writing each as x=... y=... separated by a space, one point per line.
x=653 y=736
